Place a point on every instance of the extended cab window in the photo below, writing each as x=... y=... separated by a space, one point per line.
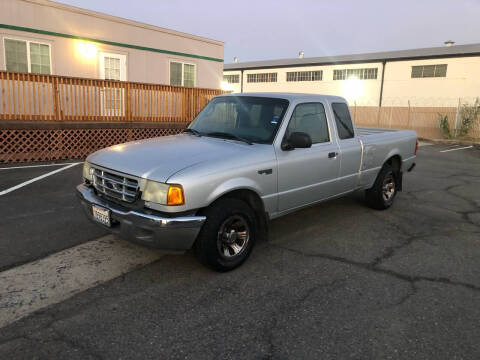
x=343 y=121
x=310 y=118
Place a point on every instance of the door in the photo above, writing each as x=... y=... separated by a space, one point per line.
x=350 y=148
x=113 y=67
x=307 y=175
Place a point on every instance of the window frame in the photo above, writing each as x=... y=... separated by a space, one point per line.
x=344 y=72
x=29 y=62
x=232 y=76
x=329 y=130
x=335 y=120
x=423 y=71
x=268 y=76
x=183 y=72
x=123 y=65
x=301 y=75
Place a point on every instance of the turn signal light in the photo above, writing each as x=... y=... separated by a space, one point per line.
x=416 y=148
x=175 y=195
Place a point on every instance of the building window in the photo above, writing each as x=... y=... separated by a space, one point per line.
x=262 y=77
x=182 y=74
x=305 y=75
x=362 y=74
x=231 y=79
x=424 y=71
x=27 y=56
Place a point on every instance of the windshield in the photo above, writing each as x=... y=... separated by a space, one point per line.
x=254 y=119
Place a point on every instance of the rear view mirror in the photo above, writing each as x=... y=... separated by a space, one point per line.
x=297 y=140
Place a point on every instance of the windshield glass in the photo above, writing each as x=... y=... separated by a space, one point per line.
x=255 y=119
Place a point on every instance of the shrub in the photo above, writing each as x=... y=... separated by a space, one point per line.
x=468 y=115
x=445 y=126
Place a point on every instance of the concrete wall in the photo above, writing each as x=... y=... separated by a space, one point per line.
x=462 y=81
x=364 y=92
x=142 y=66
x=400 y=89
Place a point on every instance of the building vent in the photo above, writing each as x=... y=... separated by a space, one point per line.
x=300 y=54
x=449 y=43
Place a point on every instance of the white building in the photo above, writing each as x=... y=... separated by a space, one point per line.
x=429 y=77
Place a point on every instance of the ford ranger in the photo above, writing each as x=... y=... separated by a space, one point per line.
x=245 y=159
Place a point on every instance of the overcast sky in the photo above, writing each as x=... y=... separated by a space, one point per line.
x=260 y=30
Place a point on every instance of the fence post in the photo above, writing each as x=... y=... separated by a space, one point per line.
x=457 y=115
x=408 y=118
x=127 y=102
x=390 y=119
x=56 y=99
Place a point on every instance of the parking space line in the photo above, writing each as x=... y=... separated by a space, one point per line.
x=462 y=148
x=30 y=287
x=36 y=166
x=16 y=187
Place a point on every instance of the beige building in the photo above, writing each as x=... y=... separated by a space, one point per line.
x=45 y=37
x=432 y=77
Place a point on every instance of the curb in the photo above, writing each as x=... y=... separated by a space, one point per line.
x=476 y=144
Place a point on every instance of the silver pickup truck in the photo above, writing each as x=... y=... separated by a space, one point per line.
x=245 y=159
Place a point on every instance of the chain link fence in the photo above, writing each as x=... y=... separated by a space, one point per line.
x=431 y=118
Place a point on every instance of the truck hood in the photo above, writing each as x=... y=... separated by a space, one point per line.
x=159 y=158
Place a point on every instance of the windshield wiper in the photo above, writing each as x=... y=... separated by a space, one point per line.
x=228 y=136
x=192 y=131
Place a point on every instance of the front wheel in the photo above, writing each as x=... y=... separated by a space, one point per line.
x=228 y=235
x=381 y=195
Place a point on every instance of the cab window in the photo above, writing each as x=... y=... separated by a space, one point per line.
x=310 y=118
x=343 y=121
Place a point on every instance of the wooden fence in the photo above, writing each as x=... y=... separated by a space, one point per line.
x=49 y=117
x=424 y=120
x=35 y=97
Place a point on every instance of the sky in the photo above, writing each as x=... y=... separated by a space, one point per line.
x=265 y=30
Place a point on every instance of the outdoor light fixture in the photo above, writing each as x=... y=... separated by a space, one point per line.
x=87 y=50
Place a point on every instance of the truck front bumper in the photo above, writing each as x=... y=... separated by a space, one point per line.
x=167 y=233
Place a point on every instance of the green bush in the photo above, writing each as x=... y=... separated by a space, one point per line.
x=468 y=115
x=445 y=126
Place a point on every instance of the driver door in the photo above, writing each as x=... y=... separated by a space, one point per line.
x=308 y=175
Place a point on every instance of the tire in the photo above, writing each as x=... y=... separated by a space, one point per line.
x=228 y=235
x=382 y=194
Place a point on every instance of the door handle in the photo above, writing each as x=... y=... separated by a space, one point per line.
x=332 y=155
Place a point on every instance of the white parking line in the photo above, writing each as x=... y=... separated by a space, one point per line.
x=462 y=148
x=30 y=287
x=36 y=166
x=16 y=187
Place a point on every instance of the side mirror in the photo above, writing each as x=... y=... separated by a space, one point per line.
x=188 y=124
x=297 y=140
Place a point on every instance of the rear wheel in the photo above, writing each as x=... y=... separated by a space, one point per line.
x=381 y=195
x=228 y=235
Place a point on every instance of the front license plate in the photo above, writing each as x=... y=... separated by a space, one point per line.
x=101 y=215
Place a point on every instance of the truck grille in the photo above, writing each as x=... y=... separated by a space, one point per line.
x=115 y=186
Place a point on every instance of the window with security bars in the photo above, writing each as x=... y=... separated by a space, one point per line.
x=425 y=71
x=182 y=74
x=27 y=56
x=231 y=79
x=305 y=75
x=262 y=77
x=361 y=74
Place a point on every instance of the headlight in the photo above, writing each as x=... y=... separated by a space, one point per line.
x=87 y=171
x=164 y=194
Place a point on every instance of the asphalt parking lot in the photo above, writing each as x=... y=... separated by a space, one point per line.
x=334 y=281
